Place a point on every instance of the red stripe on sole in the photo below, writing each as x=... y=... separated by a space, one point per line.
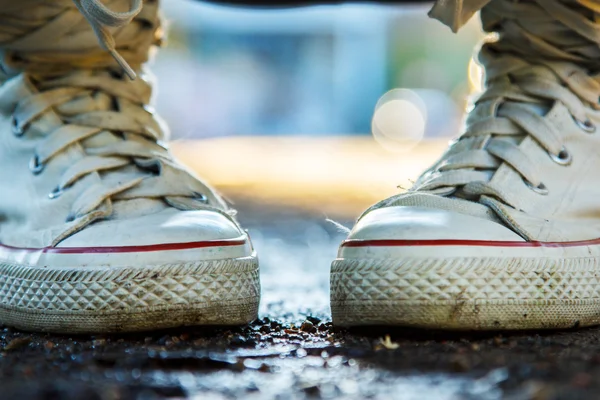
x=130 y=249
x=449 y=242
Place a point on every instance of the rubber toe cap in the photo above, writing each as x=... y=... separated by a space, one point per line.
x=168 y=226
x=420 y=223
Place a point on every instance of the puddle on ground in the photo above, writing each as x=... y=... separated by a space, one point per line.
x=315 y=377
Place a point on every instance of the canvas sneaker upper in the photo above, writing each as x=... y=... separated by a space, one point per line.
x=528 y=157
x=82 y=150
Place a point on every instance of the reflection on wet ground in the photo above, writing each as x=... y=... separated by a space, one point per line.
x=293 y=352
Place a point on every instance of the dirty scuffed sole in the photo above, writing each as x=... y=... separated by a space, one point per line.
x=463 y=293
x=109 y=299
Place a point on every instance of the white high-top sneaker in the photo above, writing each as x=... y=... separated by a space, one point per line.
x=503 y=232
x=101 y=230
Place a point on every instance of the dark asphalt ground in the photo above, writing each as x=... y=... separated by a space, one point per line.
x=293 y=352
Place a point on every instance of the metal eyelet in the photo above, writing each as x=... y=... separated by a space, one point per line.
x=562 y=158
x=35 y=166
x=200 y=197
x=56 y=193
x=586 y=126
x=540 y=189
x=17 y=130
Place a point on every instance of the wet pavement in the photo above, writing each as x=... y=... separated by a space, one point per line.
x=293 y=352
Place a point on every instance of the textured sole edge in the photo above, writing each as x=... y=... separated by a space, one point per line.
x=467 y=293
x=129 y=299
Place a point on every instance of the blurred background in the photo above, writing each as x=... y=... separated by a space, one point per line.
x=284 y=98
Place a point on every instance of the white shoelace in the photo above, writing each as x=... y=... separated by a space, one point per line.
x=522 y=83
x=101 y=18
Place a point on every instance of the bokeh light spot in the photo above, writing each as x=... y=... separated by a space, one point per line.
x=399 y=121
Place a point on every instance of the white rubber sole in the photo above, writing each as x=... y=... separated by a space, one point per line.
x=462 y=287
x=125 y=299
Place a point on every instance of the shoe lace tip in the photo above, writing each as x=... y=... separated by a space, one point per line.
x=341 y=228
x=123 y=64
